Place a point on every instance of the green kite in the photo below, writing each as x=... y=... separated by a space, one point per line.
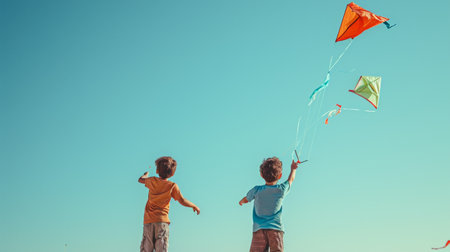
x=368 y=87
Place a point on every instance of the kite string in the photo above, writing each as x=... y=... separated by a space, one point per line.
x=310 y=123
x=322 y=98
x=362 y=110
x=325 y=84
x=340 y=56
x=333 y=111
x=296 y=143
x=305 y=130
x=298 y=129
x=307 y=127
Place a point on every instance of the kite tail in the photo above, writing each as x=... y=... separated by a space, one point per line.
x=339 y=110
x=324 y=85
x=312 y=97
x=332 y=113
x=389 y=26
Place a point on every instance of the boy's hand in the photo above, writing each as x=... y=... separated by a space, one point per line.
x=196 y=209
x=294 y=165
x=142 y=178
x=243 y=201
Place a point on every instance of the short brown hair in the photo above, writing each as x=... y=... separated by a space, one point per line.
x=271 y=169
x=166 y=167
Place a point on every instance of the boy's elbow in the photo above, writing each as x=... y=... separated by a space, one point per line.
x=182 y=201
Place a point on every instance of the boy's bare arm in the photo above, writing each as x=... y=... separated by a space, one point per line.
x=142 y=178
x=187 y=203
x=243 y=201
x=291 y=177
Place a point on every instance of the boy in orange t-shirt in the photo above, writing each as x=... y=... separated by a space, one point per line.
x=156 y=216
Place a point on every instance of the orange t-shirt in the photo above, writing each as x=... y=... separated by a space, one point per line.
x=159 y=194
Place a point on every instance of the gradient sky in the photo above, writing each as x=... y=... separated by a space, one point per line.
x=92 y=92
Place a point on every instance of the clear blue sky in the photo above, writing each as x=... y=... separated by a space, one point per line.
x=92 y=92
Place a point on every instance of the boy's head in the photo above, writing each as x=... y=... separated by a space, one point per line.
x=165 y=167
x=271 y=169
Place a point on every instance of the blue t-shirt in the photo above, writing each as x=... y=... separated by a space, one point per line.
x=267 y=208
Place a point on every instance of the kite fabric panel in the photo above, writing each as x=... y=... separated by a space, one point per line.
x=356 y=20
x=368 y=87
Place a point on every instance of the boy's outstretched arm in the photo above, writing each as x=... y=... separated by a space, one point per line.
x=291 y=177
x=142 y=178
x=187 y=203
x=243 y=201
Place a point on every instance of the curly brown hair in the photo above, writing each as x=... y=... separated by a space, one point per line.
x=166 y=167
x=271 y=169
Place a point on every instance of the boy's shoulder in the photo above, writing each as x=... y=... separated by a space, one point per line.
x=269 y=189
x=285 y=185
x=157 y=182
x=279 y=185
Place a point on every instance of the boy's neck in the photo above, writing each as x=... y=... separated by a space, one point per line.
x=272 y=183
x=163 y=178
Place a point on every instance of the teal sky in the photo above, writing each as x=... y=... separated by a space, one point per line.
x=92 y=92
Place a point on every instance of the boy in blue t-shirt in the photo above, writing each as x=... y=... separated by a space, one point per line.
x=267 y=227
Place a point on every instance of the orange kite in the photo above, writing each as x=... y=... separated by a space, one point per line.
x=356 y=20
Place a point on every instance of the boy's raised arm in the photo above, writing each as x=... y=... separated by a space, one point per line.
x=142 y=178
x=291 y=177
